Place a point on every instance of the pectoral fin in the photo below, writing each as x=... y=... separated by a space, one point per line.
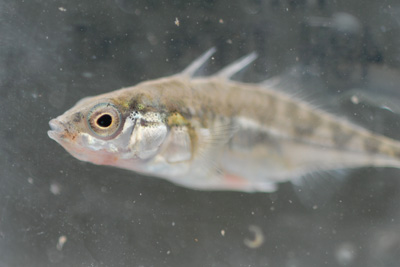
x=177 y=147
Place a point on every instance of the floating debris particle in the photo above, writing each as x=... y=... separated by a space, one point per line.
x=55 y=188
x=62 y=9
x=355 y=100
x=258 y=237
x=345 y=253
x=61 y=241
x=221 y=21
x=87 y=74
x=177 y=22
x=223 y=232
x=30 y=180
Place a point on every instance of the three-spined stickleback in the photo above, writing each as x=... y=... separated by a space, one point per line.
x=214 y=133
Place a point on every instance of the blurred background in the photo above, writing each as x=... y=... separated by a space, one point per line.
x=58 y=211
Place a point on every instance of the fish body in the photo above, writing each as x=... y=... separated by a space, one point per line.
x=213 y=133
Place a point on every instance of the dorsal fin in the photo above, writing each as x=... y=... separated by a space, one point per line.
x=196 y=65
x=237 y=66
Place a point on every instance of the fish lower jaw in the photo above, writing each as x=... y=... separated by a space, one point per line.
x=55 y=135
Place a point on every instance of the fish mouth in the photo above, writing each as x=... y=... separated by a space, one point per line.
x=56 y=129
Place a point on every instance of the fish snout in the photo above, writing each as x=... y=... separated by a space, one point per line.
x=56 y=125
x=56 y=129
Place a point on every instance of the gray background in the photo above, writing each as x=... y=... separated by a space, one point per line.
x=53 y=53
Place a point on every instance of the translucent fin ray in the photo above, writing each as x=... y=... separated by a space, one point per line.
x=177 y=145
x=237 y=66
x=375 y=99
x=210 y=142
x=198 y=63
x=318 y=188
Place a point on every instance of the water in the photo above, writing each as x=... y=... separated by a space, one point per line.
x=58 y=211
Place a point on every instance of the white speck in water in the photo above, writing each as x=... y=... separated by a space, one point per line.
x=30 y=180
x=173 y=223
x=345 y=253
x=168 y=252
x=177 y=23
x=354 y=99
x=55 y=188
x=223 y=232
x=61 y=241
x=62 y=9
x=87 y=75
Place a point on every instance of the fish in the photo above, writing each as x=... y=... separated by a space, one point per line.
x=216 y=133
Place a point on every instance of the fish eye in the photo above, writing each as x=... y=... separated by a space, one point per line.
x=104 y=120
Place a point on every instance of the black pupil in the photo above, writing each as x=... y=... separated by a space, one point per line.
x=104 y=121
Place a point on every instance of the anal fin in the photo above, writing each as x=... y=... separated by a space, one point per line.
x=316 y=189
x=217 y=180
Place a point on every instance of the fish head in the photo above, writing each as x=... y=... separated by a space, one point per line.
x=110 y=131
